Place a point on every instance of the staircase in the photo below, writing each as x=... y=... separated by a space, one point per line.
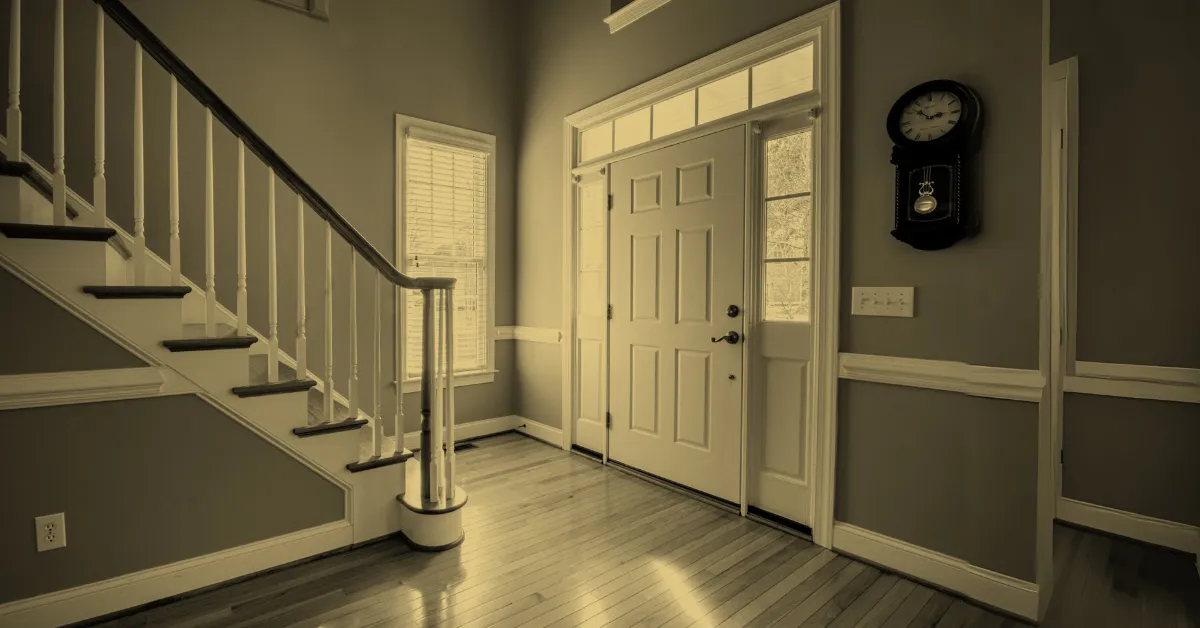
x=70 y=251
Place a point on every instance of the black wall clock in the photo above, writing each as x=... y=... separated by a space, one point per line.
x=935 y=127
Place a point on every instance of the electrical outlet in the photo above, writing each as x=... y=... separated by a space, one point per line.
x=882 y=302
x=51 y=531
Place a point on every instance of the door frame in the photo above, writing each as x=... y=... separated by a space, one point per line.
x=821 y=28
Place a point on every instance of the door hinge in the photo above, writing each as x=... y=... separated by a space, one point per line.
x=1062 y=138
x=610 y=312
x=608 y=420
x=610 y=201
x=1061 y=459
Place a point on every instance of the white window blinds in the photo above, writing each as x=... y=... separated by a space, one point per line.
x=446 y=222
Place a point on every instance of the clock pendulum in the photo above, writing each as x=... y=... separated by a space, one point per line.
x=925 y=202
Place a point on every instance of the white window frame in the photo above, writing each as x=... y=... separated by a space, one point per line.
x=475 y=140
x=762 y=259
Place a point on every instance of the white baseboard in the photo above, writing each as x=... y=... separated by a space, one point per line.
x=541 y=431
x=1179 y=536
x=994 y=589
x=128 y=591
x=474 y=429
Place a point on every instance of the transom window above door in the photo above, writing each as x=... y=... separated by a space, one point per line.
x=784 y=76
x=787 y=226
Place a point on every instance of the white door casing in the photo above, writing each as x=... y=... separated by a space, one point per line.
x=591 y=351
x=676 y=254
x=781 y=372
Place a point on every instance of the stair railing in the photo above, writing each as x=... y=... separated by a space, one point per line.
x=437 y=459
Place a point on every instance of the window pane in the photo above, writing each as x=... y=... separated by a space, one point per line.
x=725 y=97
x=789 y=164
x=675 y=114
x=785 y=291
x=632 y=129
x=596 y=141
x=784 y=76
x=788 y=226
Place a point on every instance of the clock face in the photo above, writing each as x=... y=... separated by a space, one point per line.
x=930 y=116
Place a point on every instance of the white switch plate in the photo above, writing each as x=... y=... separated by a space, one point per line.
x=51 y=531
x=882 y=302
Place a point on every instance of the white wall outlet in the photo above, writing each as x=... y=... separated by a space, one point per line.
x=51 y=531
x=882 y=302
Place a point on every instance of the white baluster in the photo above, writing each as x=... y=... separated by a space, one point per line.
x=438 y=453
x=173 y=175
x=99 y=184
x=353 y=334
x=301 y=307
x=272 y=285
x=60 y=118
x=329 y=323
x=449 y=395
x=14 y=83
x=243 y=302
x=377 y=379
x=210 y=231
x=398 y=370
x=139 y=174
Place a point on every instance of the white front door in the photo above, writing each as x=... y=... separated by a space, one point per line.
x=676 y=251
x=779 y=460
x=591 y=350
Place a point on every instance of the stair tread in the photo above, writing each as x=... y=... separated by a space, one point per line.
x=375 y=463
x=55 y=232
x=201 y=344
x=287 y=386
x=329 y=428
x=137 y=292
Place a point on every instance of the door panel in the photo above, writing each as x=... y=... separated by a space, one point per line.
x=591 y=350
x=677 y=234
x=782 y=346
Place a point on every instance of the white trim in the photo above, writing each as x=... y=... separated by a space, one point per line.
x=474 y=429
x=1132 y=388
x=570 y=267
x=1167 y=375
x=748 y=52
x=827 y=191
x=529 y=334
x=460 y=380
x=476 y=140
x=55 y=389
x=969 y=379
x=631 y=13
x=994 y=589
x=1179 y=536
x=115 y=594
x=545 y=433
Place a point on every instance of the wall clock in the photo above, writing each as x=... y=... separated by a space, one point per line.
x=936 y=128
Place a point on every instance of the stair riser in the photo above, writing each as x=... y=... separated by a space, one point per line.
x=65 y=266
x=279 y=414
x=213 y=370
x=145 y=321
x=376 y=517
x=21 y=203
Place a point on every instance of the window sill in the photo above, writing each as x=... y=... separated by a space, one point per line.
x=465 y=379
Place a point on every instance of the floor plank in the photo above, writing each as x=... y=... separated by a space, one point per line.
x=556 y=540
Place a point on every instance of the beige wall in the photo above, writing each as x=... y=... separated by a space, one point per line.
x=1135 y=455
x=38 y=336
x=1138 y=213
x=953 y=473
x=1138 y=262
x=324 y=96
x=142 y=483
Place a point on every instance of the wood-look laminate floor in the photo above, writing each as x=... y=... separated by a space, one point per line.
x=556 y=540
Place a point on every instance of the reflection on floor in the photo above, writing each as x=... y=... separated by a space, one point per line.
x=554 y=539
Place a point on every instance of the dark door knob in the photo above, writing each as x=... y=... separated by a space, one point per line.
x=732 y=338
x=733 y=311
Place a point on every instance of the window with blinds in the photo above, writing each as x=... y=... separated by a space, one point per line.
x=446 y=223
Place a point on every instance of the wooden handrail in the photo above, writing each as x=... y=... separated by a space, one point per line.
x=152 y=45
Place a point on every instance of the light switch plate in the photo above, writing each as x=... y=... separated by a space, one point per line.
x=882 y=302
